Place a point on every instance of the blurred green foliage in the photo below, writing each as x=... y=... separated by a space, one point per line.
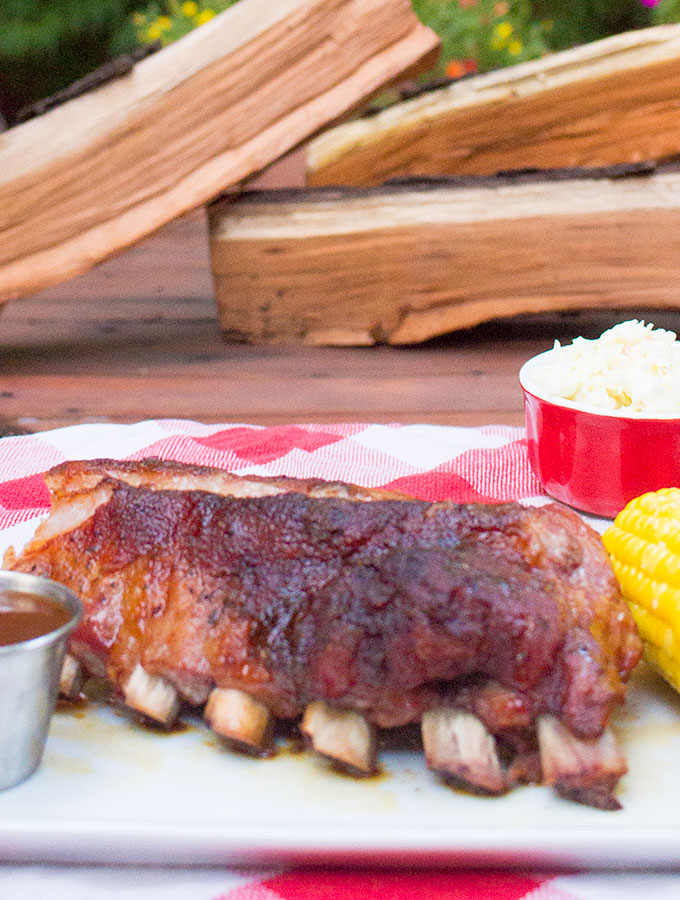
x=667 y=11
x=495 y=33
x=589 y=20
x=47 y=44
x=484 y=34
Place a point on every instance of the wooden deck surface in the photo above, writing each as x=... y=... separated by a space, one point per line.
x=138 y=337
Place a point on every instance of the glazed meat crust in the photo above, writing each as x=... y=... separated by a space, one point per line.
x=389 y=607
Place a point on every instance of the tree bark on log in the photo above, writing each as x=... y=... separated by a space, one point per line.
x=94 y=175
x=613 y=101
x=403 y=263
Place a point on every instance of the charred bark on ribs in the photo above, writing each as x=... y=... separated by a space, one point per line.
x=500 y=628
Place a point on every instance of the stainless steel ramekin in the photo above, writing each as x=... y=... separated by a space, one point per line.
x=29 y=680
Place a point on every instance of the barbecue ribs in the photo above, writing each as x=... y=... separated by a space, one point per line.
x=499 y=628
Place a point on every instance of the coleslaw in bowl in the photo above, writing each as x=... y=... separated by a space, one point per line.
x=632 y=369
x=603 y=417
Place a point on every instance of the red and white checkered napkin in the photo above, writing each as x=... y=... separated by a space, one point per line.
x=431 y=462
x=427 y=461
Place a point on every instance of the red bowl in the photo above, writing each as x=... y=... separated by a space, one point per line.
x=596 y=461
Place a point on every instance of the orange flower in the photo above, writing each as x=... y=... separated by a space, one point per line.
x=456 y=68
x=467 y=3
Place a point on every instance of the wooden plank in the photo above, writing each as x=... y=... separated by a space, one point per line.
x=96 y=174
x=164 y=348
x=401 y=264
x=64 y=398
x=612 y=101
x=60 y=419
x=184 y=370
x=129 y=359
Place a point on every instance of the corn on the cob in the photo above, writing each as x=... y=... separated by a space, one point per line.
x=644 y=546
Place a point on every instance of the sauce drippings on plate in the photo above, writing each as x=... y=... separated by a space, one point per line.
x=27 y=616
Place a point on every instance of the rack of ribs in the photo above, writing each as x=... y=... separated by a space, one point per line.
x=499 y=628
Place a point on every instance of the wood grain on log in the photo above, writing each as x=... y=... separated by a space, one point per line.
x=403 y=263
x=97 y=173
x=611 y=101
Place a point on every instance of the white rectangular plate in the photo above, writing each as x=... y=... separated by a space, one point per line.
x=111 y=791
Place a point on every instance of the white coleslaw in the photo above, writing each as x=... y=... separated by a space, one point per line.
x=631 y=368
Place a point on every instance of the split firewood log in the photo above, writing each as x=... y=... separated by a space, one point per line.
x=405 y=262
x=95 y=174
x=610 y=102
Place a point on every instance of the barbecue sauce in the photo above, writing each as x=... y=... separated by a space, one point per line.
x=27 y=616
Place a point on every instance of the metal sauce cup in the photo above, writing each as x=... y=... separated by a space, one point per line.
x=29 y=680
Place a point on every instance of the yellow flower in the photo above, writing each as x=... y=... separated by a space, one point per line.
x=153 y=32
x=189 y=8
x=205 y=16
x=500 y=35
x=139 y=19
x=164 y=23
x=515 y=47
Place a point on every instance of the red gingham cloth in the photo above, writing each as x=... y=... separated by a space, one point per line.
x=427 y=461
x=431 y=462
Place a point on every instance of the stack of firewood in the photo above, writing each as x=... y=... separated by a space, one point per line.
x=548 y=186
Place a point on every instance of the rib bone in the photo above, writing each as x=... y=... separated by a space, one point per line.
x=239 y=718
x=344 y=736
x=583 y=770
x=457 y=744
x=151 y=695
x=71 y=678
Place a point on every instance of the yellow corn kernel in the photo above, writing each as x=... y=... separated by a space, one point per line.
x=650 y=527
x=663 y=664
x=644 y=547
x=654 y=630
x=654 y=558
